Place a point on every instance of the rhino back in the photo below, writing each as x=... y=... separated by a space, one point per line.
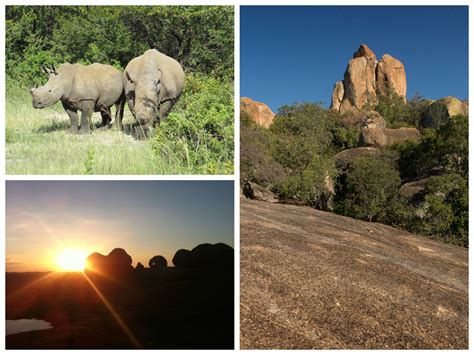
x=99 y=82
x=172 y=74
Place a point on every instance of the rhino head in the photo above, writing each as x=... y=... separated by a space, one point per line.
x=147 y=96
x=50 y=93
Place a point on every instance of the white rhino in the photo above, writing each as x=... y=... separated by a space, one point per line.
x=153 y=83
x=86 y=88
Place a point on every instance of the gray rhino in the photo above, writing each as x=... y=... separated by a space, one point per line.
x=86 y=88
x=153 y=82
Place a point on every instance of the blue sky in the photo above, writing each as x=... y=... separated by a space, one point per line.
x=294 y=54
x=146 y=218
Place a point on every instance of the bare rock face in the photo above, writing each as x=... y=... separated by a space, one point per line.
x=391 y=77
x=379 y=137
x=440 y=112
x=365 y=78
x=258 y=111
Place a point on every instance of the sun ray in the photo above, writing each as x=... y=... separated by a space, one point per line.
x=114 y=313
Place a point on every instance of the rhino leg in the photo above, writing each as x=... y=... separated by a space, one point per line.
x=73 y=116
x=86 y=115
x=106 y=116
x=165 y=108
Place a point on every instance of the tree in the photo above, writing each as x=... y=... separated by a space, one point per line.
x=370 y=185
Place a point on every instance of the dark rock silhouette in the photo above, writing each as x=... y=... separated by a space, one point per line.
x=182 y=258
x=205 y=255
x=157 y=262
x=139 y=266
x=117 y=263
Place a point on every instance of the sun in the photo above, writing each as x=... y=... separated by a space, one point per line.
x=71 y=260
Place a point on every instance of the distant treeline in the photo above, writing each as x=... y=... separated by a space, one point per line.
x=201 y=38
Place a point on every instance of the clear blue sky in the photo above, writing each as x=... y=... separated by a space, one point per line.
x=294 y=54
x=146 y=218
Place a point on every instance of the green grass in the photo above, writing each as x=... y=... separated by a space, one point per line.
x=37 y=141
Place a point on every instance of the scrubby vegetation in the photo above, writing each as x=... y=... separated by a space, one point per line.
x=295 y=157
x=196 y=138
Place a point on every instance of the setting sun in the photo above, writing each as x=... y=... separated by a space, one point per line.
x=71 y=260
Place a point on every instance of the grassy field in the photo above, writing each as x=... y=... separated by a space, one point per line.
x=37 y=142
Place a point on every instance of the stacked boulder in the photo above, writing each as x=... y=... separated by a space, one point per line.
x=366 y=78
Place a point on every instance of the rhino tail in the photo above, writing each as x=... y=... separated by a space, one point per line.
x=120 y=107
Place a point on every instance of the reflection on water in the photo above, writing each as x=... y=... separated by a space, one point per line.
x=25 y=325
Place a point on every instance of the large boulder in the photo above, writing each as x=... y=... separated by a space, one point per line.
x=391 y=77
x=349 y=155
x=412 y=189
x=116 y=263
x=365 y=78
x=257 y=111
x=364 y=119
x=182 y=258
x=439 y=112
x=204 y=256
x=380 y=137
x=256 y=192
x=158 y=262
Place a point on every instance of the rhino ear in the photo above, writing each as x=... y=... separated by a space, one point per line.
x=128 y=77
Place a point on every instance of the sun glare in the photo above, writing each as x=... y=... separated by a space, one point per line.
x=71 y=260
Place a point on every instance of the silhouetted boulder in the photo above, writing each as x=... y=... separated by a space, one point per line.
x=182 y=258
x=117 y=263
x=139 y=267
x=157 y=262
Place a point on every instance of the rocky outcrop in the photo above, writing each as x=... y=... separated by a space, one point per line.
x=256 y=192
x=365 y=78
x=205 y=255
x=439 y=112
x=158 y=262
x=117 y=263
x=380 y=137
x=258 y=112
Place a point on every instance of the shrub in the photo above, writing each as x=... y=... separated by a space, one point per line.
x=200 y=129
x=371 y=184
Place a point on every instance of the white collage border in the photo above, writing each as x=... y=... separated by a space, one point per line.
x=235 y=177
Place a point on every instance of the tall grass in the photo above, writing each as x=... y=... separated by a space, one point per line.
x=197 y=138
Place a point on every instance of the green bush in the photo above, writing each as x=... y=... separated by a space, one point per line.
x=200 y=129
x=370 y=186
